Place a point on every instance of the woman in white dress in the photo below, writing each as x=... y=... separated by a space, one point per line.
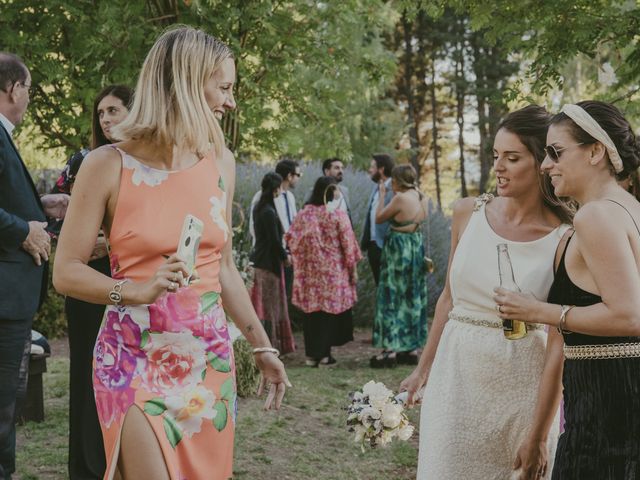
x=490 y=405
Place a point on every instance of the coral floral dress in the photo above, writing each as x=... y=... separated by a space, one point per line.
x=173 y=359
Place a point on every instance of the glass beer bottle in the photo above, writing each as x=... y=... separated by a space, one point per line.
x=513 y=329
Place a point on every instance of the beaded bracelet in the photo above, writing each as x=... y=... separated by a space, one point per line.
x=563 y=319
x=275 y=351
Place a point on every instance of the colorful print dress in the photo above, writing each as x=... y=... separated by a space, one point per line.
x=173 y=359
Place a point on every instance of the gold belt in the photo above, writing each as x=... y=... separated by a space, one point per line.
x=481 y=322
x=596 y=352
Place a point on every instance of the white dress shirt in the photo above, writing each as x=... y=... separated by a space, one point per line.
x=8 y=126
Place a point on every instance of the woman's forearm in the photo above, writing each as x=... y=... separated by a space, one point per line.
x=596 y=320
x=549 y=390
x=78 y=280
x=237 y=304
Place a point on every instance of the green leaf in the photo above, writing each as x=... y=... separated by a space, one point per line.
x=154 y=407
x=220 y=420
x=208 y=301
x=226 y=390
x=218 y=363
x=221 y=183
x=204 y=374
x=144 y=338
x=173 y=432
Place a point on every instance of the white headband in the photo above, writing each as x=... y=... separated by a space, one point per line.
x=589 y=125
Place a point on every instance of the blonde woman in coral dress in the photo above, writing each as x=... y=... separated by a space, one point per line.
x=490 y=405
x=164 y=374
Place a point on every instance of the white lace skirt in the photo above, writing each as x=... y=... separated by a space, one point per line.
x=479 y=403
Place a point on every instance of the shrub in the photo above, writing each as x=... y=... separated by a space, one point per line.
x=247 y=373
x=50 y=319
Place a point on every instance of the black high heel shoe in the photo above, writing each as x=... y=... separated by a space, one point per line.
x=385 y=362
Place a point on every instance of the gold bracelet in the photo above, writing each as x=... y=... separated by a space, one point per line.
x=563 y=319
x=275 y=351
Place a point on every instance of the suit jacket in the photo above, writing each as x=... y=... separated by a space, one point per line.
x=23 y=284
x=381 y=228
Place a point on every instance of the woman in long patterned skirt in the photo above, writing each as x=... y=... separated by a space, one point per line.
x=163 y=363
x=400 y=323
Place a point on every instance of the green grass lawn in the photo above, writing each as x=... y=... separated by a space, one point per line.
x=307 y=438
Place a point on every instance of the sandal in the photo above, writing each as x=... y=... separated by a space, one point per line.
x=385 y=361
x=408 y=358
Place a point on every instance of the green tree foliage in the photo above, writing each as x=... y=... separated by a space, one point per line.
x=310 y=74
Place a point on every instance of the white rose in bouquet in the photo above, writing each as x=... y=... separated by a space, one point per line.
x=405 y=433
x=378 y=394
x=391 y=415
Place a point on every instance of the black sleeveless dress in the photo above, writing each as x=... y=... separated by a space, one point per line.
x=601 y=440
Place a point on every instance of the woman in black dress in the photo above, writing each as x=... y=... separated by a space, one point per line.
x=595 y=297
x=269 y=258
x=86 y=453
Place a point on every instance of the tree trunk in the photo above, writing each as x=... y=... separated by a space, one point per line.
x=414 y=141
x=434 y=117
x=460 y=98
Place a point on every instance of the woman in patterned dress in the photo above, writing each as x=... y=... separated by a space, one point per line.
x=325 y=256
x=400 y=322
x=163 y=362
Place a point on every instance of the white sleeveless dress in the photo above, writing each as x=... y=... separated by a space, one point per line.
x=482 y=389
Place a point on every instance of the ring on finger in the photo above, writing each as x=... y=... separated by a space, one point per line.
x=172 y=285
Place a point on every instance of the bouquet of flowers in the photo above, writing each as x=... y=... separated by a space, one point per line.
x=377 y=417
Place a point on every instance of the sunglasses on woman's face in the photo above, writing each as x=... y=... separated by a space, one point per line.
x=554 y=153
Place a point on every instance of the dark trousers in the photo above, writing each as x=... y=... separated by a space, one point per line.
x=15 y=347
x=374 y=254
x=86 y=448
x=324 y=330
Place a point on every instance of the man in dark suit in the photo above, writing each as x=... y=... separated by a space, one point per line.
x=24 y=253
x=373 y=234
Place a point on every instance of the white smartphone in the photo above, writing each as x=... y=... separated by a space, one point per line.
x=190 y=241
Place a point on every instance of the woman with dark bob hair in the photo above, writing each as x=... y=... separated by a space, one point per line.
x=269 y=295
x=325 y=256
x=490 y=406
x=595 y=298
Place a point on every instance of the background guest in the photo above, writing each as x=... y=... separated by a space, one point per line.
x=334 y=167
x=269 y=257
x=400 y=322
x=373 y=234
x=86 y=450
x=24 y=253
x=285 y=203
x=325 y=255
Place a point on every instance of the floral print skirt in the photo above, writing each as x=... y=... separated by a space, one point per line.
x=173 y=360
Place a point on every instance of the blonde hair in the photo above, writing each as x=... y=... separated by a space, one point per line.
x=169 y=106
